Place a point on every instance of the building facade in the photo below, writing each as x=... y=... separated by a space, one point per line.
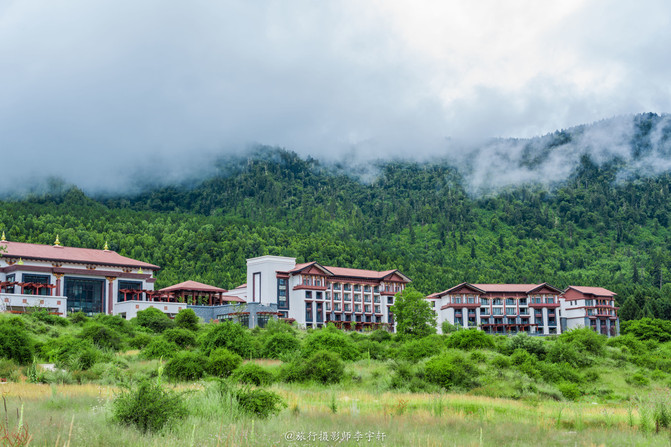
x=313 y=295
x=592 y=307
x=69 y=279
x=500 y=308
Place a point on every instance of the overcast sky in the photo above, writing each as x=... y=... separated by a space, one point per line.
x=92 y=88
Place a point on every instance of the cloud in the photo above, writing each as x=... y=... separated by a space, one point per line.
x=95 y=91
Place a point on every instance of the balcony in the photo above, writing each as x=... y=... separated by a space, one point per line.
x=541 y=305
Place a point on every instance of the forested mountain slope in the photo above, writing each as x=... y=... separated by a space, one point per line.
x=598 y=227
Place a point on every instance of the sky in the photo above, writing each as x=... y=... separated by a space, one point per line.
x=95 y=92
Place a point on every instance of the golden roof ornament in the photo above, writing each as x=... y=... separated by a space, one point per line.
x=57 y=243
x=4 y=239
x=20 y=261
x=140 y=271
x=106 y=248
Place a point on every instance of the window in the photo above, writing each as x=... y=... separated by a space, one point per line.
x=348 y=307
x=36 y=279
x=347 y=288
x=256 y=287
x=511 y=311
x=308 y=295
x=484 y=310
x=498 y=311
x=550 y=300
x=243 y=320
x=510 y=302
x=337 y=286
x=282 y=293
x=377 y=310
x=10 y=278
x=336 y=296
x=471 y=299
x=367 y=298
x=366 y=288
x=367 y=308
x=357 y=288
x=319 y=295
x=308 y=311
x=129 y=285
x=348 y=296
x=523 y=301
x=484 y=301
x=85 y=295
x=497 y=301
x=262 y=320
x=456 y=300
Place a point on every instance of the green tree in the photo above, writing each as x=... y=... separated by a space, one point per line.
x=413 y=314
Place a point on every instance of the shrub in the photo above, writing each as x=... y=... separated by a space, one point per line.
x=260 y=403
x=372 y=349
x=331 y=339
x=451 y=370
x=149 y=407
x=380 y=335
x=116 y=322
x=15 y=343
x=78 y=317
x=187 y=319
x=279 y=344
x=586 y=339
x=159 y=348
x=563 y=352
x=46 y=317
x=470 y=339
x=648 y=329
x=70 y=352
x=253 y=374
x=102 y=336
x=7 y=367
x=181 y=337
x=223 y=362
x=501 y=362
x=153 y=319
x=324 y=367
x=448 y=327
x=186 y=366
x=533 y=345
x=140 y=341
x=637 y=379
x=229 y=335
x=478 y=357
x=569 y=390
x=415 y=350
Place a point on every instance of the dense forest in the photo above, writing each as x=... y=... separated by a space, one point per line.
x=594 y=228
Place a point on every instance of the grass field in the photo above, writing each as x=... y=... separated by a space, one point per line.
x=79 y=415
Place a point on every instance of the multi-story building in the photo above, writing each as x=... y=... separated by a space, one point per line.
x=313 y=295
x=69 y=279
x=500 y=308
x=592 y=307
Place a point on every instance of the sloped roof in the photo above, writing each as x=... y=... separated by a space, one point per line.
x=513 y=288
x=598 y=291
x=70 y=254
x=193 y=286
x=360 y=273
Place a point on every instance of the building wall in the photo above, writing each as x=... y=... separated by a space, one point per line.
x=264 y=268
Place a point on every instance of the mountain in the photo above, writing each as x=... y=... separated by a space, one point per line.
x=606 y=223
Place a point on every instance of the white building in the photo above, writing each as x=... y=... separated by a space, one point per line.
x=592 y=307
x=500 y=308
x=312 y=294
x=68 y=279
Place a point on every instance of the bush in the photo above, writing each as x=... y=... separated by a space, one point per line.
x=279 y=344
x=149 y=407
x=116 y=322
x=533 y=345
x=78 y=317
x=570 y=391
x=637 y=379
x=153 y=319
x=102 y=336
x=181 y=337
x=563 y=352
x=470 y=339
x=140 y=341
x=15 y=343
x=501 y=362
x=46 y=317
x=586 y=339
x=260 y=403
x=229 y=335
x=372 y=349
x=448 y=327
x=253 y=374
x=415 y=350
x=159 y=348
x=324 y=367
x=187 y=319
x=478 y=357
x=380 y=335
x=451 y=370
x=70 y=352
x=186 y=366
x=223 y=362
x=331 y=339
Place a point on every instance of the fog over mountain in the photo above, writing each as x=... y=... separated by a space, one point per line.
x=105 y=95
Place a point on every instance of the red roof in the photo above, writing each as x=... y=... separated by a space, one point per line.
x=513 y=288
x=70 y=254
x=237 y=299
x=193 y=286
x=598 y=291
x=348 y=272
